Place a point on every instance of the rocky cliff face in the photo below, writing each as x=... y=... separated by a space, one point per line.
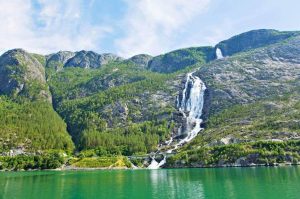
x=58 y=60
x=28 y=122
x=90 y=59
x=251 y=96
x=141 y=60
x=259 y=74
x=82 y=59
x=22 y=74
x=253 y=39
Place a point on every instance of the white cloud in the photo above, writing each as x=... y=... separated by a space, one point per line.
x=14 y=24
x=57 y=25
x=152 y=24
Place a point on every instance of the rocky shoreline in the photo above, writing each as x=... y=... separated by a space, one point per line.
x=237 y=165
x=192 y=166
x=139 y=168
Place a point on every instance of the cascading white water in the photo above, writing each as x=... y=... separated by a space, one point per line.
x=192 y=103
x=156 y=165
x=219 y=53
x=190 y=106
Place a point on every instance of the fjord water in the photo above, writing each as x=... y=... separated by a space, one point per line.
x=281 y=182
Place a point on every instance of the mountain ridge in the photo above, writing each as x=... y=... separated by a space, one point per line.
x=128 y=106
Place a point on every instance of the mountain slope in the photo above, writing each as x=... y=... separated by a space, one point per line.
x=263 y=73
x=252 y=99
x=23 y=75
x=181 y=59
x=253 y=39
x=118 y=106
x=27 y=119
x=129 y=107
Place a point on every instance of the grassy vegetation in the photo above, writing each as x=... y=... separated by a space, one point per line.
x=266 y=153
x=101 y=162
x=53 y=159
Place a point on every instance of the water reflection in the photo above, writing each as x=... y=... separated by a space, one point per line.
x=175 y=183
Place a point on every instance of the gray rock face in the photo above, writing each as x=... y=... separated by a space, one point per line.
x=57 y=60
x=144 y=106
x=263 y=73
x=21 y=73
x=141 y=60
x=90 y=59
x=253 y=39
x=116 y=110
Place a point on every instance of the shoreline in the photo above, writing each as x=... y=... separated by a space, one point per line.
x=190 y=167
x=235 y=166
x=126 y=168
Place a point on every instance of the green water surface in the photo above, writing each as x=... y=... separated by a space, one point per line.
x=240 y=183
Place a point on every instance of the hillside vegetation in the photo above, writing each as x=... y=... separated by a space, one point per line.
x=84 y=101
x=27 y=119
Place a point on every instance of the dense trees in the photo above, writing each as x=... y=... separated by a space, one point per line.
x=80 y=97
x=31 y=126
x=89 y=102
x=47 y=160
x=134 y=139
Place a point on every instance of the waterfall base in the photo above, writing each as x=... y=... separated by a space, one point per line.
x=156 y=165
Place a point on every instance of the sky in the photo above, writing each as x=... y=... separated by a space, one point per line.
x=130 y=27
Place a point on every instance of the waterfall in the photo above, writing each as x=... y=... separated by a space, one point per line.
x=219 y=53
x=156 y=165
x=190 y=106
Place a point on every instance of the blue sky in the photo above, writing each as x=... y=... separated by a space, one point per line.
x=129 y=27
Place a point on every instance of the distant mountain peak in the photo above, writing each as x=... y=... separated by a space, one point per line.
x=22 y=74
x=253 y=39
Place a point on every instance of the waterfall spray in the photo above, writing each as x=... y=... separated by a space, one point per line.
x=191 y=106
